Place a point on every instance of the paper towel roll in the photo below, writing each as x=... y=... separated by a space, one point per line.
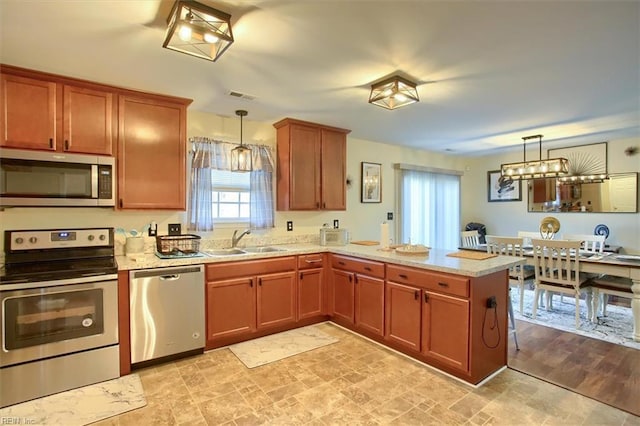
x=384 y=235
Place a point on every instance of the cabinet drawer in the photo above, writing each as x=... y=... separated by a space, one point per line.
x=359 y=266
x=443 y=283
x=226 y=270
x=308 y=261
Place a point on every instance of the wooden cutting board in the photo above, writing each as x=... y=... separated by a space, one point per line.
x=366 y=242
x=467 y=254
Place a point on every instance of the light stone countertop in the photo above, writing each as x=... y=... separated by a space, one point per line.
x=437 y=260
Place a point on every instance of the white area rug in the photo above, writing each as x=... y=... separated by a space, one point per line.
x=264 y=350
x=616 y=327
x=80 y=406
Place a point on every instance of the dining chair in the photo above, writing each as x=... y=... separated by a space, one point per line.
x=509 y=246
x=592 y=244
x=470 y=238
x=606 y=285
x=557 y=264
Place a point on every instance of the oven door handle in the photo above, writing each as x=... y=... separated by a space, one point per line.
x=54 y=283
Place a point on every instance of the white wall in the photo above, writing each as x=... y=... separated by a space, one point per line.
x=506 y=218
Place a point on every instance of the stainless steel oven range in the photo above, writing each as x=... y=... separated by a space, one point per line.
x=58 y=312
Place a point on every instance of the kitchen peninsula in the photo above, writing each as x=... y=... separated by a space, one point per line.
x=448 y=312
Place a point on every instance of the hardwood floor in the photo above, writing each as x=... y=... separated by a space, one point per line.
x=594 y=368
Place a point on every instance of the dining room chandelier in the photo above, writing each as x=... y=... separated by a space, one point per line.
x=241 y=160
x=551 y=167
x=394 y=92
x=198 y=30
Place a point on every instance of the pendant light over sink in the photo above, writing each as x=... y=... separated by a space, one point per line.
x=241 y=155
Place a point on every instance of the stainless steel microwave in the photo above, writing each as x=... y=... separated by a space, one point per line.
x=42 y=179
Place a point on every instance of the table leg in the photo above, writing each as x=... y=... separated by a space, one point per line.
x=635 y=303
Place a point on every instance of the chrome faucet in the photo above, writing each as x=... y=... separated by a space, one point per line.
x=235 y=240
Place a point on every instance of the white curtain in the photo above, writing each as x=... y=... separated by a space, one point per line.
x=261 y=207
x=210 y=154
x=430 y=209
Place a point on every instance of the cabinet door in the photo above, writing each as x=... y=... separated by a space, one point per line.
x=231 y=308
x=445 y=330
x=369 y=304
x=402 y=315
x=305 y=168
x=342 y=295
x=88 y=121
x=334 y=170
x=151 y=154
x=276 y=299
x=28 y=111
x=310 y=293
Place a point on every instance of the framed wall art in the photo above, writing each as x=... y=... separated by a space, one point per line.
x=590 y=159
x=371 y=183
x=503 y=188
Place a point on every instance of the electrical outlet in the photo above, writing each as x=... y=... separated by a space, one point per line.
x=289 y=225
x=389 y=215
x=336 y=224
x=175 y=229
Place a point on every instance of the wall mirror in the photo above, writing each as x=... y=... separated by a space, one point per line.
x=618 y=194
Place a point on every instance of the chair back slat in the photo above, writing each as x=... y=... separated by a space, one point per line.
x=557 y=261
x=590 y=243
x=506 y=246
x=470 y=238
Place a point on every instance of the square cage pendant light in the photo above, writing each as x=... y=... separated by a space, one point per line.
x=198 y=30
x=393 y=93
x=241 y=160
x=551 y=167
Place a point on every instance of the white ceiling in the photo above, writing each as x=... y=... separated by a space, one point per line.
x=490 y=72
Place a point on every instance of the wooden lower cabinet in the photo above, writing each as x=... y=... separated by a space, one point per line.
x=343 y=295
x=276 y=299
x=403 y=315
x=310 y=293
x=445 y=329
x=231 y=308
x=369 y=304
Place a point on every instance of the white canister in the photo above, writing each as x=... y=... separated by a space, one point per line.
x=134 y=245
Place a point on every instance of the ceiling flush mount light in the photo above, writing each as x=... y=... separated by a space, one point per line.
x=393 y=93
x=551 y=167
x=241 y=155
x=198 y=30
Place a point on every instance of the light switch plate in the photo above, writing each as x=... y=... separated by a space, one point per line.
x=289 y=225
x=175 y=229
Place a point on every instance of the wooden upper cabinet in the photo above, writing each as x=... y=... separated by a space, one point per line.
x=48 y=115
x=29 y=113
x=311 y=171
x=88 y=121
x=151 y=153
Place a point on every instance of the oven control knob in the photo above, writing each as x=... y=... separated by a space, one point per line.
x=19 y=240
x=91 y=237
x=103 y=237
x=33 y=240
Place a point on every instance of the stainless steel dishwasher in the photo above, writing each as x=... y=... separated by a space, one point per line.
x=167 y=312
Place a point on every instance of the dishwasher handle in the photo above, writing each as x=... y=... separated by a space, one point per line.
x=166 y=273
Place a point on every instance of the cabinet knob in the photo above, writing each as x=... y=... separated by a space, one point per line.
x=366 y=268
x=403 y=276
x=251 y=282
x=445 y=285
x=301 y=275
x=350 y=278
x=51 y=143
x=416 y=294
x=260 y=282
x=426 y=298
x=355 y=277
x=66 y=145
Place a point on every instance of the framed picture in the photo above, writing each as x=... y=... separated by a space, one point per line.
x=590 y=159
x=503 y=188
x=371 y=183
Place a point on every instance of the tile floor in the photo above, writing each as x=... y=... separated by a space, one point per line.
x=351 y=382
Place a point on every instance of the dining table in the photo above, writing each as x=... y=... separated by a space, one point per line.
x=615 y=264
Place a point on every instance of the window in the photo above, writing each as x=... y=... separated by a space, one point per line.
x=429 y=207
x=230 y=197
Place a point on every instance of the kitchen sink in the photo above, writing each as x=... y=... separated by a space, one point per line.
x=224 y=252
x=263 y=249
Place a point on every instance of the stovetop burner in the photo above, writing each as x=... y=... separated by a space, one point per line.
x=53 y=254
